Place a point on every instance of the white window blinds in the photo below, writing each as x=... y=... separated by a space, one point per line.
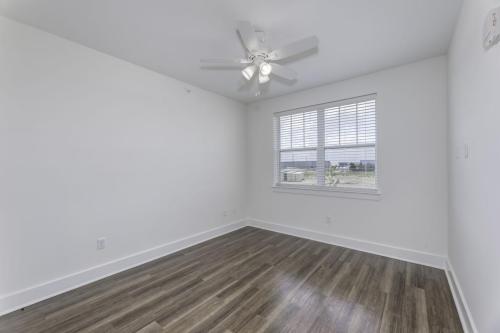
x=331 y=145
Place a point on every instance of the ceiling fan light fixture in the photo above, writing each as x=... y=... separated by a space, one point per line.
x=263 y=78
x=261 y=59
x=265 y=69
x=249 y=71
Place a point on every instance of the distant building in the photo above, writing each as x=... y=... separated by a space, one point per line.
x=306 y=165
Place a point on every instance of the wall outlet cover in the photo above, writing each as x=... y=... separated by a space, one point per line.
x=101 y=243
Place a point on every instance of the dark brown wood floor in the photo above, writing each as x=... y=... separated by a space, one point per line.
x=253 y=280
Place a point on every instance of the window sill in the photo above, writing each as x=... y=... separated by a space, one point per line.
x=349 y=193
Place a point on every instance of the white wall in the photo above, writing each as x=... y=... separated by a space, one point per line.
x=411 y=212
x=93 y=146
x=474 y=114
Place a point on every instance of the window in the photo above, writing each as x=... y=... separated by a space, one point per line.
x=329 y=146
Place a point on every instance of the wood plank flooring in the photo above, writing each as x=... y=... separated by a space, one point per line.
x=253 y=280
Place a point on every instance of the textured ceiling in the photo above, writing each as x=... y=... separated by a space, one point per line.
x=356 y=36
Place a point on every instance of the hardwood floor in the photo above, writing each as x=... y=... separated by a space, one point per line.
x=253 y=280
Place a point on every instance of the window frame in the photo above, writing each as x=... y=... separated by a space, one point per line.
x=321 y=147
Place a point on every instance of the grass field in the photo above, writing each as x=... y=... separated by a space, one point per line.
x=351 y=179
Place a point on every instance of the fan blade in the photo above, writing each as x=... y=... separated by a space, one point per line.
x=295 y=48
x=283 y=72
x=248 y=36
x=219 y=61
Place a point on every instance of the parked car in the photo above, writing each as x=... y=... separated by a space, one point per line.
x=343 y=166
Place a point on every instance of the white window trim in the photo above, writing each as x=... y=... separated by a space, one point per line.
x=315 y=190
x=322 y=190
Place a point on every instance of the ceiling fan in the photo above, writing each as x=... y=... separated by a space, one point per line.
x=260 y=59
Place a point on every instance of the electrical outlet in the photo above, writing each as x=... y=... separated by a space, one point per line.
x=225 y=213
x=101 y=243
x=328 y=220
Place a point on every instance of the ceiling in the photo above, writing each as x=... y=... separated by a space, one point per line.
x=355 y=36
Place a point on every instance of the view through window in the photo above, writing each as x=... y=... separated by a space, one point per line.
x=331 y=145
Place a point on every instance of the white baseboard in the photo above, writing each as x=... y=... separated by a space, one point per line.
x=37 y=293
x=413 y=256
x=460 y=301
